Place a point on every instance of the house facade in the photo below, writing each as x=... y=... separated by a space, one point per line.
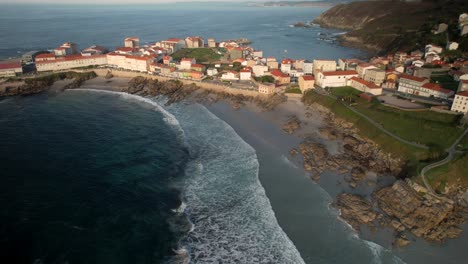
x=306 y=82
x=376 y=76
x=335 y=78
x=12 y=68
x=460 y=102
x=280 y=77
x=323 y=66
x=365 y=86
x=70 y=62
x=267 y=88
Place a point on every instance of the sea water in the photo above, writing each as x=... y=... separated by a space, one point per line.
x=44 y=27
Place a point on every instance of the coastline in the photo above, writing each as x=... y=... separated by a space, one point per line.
x=295 y=198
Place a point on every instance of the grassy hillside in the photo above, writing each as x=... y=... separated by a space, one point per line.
x=202 y=55
x=388 y=26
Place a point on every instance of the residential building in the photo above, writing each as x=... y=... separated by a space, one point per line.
x=236 y=53
x=167 y=60
x=132 y=42
x=462 y=86
x=323 y=66
x=266 y=88
x=348 y=64
x=70 y=62
x=460 y=102
x=10 y=68
x=194 y=42
x=172 y=44
x=400 y=68
x=280 y=77
x=94 y=50
x=365 y=86
x=334 y=78
x=230 y=75
x=67 y=48
x=246 y=74
x=308 y=67
x=286 y=65
x=45 y=57
x=363 y=67
x=421 y=87
x=258 y=53
x=31 y=56
x=433 y=49
x=376 y=76
x=212 y=72
x=186 y=63
x=197 y=67
x=452 y=45
x=306 y=82
x=272 y=64
x=400 y=56
x=441 y=28
x=417 y=54
x=259 y=70
x=126 y=50
x=211 y=43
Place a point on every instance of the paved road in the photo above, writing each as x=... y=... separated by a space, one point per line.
x=451 y=153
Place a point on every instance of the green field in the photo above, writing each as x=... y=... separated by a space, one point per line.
x=202 y=55
x=345 y=91
x=389 y=144
x=446 y=81
x=294 y=90
x=423 y=127
x=455 y=172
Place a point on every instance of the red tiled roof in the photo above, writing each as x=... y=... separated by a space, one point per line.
x=336 y=73
x=369 y=85
x=71 y=58
x=10 y=65
x=133 y=38
x=278 y=73
x=45 y=55
x=365 y=65
x=308 y=77
x=413 y=78
x=124 y=49
x=172 y=40
x=287 y=61
x=197 y=66
x=246 y=69
x=436 y=87
x=464 y=93
x=464 y=81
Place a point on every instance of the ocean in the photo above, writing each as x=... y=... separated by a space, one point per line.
x=93 y=176
x=44 y=27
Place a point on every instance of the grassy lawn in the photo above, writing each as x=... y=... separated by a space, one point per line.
x=345 y=91
x=202 y=55
x=389 y=144
x=446 y=81
x=455 y=172
x=424 y=127
x=294 y=90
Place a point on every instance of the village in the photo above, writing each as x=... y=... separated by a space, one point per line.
x=424 y=76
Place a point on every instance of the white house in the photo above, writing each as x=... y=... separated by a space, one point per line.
x=361 y=69
x=334 y=78
x=186 y=63
x=211 y=71
x=460 y=102
x=230 y=75
x=452 y=46
x=10 y=68
x=70 y=62
x=365 y=86
x=463 y=86
x=421 y=87
x=246 y=74
x=267 y=88
x=324 y=66
x=286 y=66
x=308 y=67
x=259 y=70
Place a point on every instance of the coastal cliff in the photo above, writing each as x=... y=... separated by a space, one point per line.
x=388 y=26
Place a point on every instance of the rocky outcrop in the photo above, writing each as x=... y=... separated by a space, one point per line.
x=292 y=125
x=301 y=25
x=358 y=155
x=355 y=209
x=40 y=84
x=426 y=217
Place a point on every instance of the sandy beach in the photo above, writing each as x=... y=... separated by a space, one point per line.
x=302 y=206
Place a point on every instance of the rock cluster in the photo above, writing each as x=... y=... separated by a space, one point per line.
x=426 y=217
x=292 y=125
x=355 y=209
x=358 y=155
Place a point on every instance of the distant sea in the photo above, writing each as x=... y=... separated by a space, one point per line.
x=41 y=27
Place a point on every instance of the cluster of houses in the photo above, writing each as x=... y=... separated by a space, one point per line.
x=407 y=73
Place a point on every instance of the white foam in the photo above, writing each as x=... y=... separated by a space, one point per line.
x=180 y=209
x=225 y=200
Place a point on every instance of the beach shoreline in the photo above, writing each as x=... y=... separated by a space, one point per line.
x=288 y=186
